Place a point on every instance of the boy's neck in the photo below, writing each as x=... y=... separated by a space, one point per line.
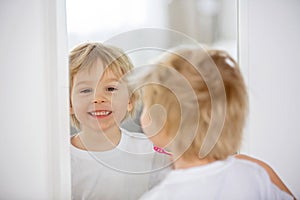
x=182 y=163
x=97 y=141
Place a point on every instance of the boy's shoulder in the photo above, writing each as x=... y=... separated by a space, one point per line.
x=248 y=167
x=135 y=136
x=132 y=133
x=137 y=142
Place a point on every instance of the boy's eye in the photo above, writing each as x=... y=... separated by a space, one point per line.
x=86 y=91
x=111 y=89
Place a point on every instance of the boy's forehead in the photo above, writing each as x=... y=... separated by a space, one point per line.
x=91 y=72
x=96 y=73
x=109 y=75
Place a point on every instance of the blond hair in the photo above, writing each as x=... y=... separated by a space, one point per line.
x=85 y=55
x=186 y=61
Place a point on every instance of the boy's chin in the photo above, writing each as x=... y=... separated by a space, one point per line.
x=107 y=128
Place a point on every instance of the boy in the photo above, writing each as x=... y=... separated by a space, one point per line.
x=107 y=162
x=202 y=99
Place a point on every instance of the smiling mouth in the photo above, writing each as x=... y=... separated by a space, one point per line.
x=100 y=114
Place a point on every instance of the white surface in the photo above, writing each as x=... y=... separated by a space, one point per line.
x=269 y=56
x=33 y=85
x=97 y=175
x=227 y=179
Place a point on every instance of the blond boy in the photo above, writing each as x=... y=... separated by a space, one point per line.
x=202 y=100
x=108 y=162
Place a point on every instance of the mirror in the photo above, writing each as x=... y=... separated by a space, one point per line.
x=210 y=22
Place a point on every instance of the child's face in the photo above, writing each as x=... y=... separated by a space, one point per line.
x=99 y=100
x=153 y=122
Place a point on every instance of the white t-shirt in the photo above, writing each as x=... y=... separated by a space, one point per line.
x=125 y=172
x=229 y=179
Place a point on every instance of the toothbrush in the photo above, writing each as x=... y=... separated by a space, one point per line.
x=161 y=150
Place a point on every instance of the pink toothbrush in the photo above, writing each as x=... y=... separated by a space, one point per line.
x=161 y=150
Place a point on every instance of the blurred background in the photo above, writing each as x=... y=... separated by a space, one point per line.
x=211 y=22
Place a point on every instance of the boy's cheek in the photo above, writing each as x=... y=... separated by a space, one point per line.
x=79 y=100
x=129 y=106
x=145 y=121
x=71 y=110
x=160 y=139
x=154 y=130
x=119 y=113
x=150 y=128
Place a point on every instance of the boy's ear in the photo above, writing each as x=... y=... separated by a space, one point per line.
x=130 y=105
x=71 y=110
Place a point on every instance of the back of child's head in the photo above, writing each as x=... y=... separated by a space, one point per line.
x=211 y=63
x=85 y=57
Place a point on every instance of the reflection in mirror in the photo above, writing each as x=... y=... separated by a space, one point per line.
x=97 y=171
x=210 y=22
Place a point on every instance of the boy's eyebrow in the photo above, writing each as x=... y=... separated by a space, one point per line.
x=112 y=79
x=83 y=82
x=90 y=82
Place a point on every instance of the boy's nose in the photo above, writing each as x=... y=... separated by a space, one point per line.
x=99 y=96
x=97 y=100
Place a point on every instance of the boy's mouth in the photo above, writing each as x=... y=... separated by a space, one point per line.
x=100 y=113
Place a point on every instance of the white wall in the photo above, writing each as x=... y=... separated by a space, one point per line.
x=33 y=86
x=34 y=108
x=270 y=58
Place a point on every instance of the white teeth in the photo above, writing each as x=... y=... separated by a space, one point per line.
x=100 y=113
